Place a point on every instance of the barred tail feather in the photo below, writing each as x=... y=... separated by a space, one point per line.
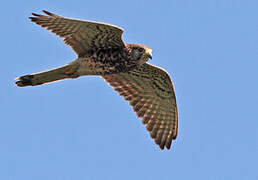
x=67 y=71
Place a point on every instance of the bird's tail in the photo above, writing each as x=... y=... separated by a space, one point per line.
x=67 y=71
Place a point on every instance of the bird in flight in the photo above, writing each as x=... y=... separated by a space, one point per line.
x=101 y=51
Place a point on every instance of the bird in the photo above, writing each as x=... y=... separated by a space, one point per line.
x=101 y=51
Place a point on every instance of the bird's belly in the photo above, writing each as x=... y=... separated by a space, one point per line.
x=90 y=66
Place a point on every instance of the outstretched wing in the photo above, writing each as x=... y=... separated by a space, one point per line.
x=151 y=94
x=82 y=36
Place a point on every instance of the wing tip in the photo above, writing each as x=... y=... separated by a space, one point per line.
x=160 y=139
x=39 y=15
x=35 y=14
x=49 y=13
x=162 y=146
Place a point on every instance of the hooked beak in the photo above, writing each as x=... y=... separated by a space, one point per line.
x=149 y=53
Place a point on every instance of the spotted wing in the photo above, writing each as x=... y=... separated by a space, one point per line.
x=151 y=94
x=82 y=36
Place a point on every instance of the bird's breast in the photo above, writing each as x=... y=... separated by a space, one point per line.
x=106 y=62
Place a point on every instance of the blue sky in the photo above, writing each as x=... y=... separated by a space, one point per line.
x=81 y=129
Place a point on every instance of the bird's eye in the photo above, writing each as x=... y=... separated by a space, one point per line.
x=141 y=49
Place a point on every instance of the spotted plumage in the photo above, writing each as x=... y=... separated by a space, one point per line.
x=101 y=51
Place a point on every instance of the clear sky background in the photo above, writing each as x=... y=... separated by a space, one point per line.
x=81 y=129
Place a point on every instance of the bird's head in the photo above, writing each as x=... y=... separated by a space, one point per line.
x=141 y=53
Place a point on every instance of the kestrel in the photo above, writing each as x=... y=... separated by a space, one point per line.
x=101 y=51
